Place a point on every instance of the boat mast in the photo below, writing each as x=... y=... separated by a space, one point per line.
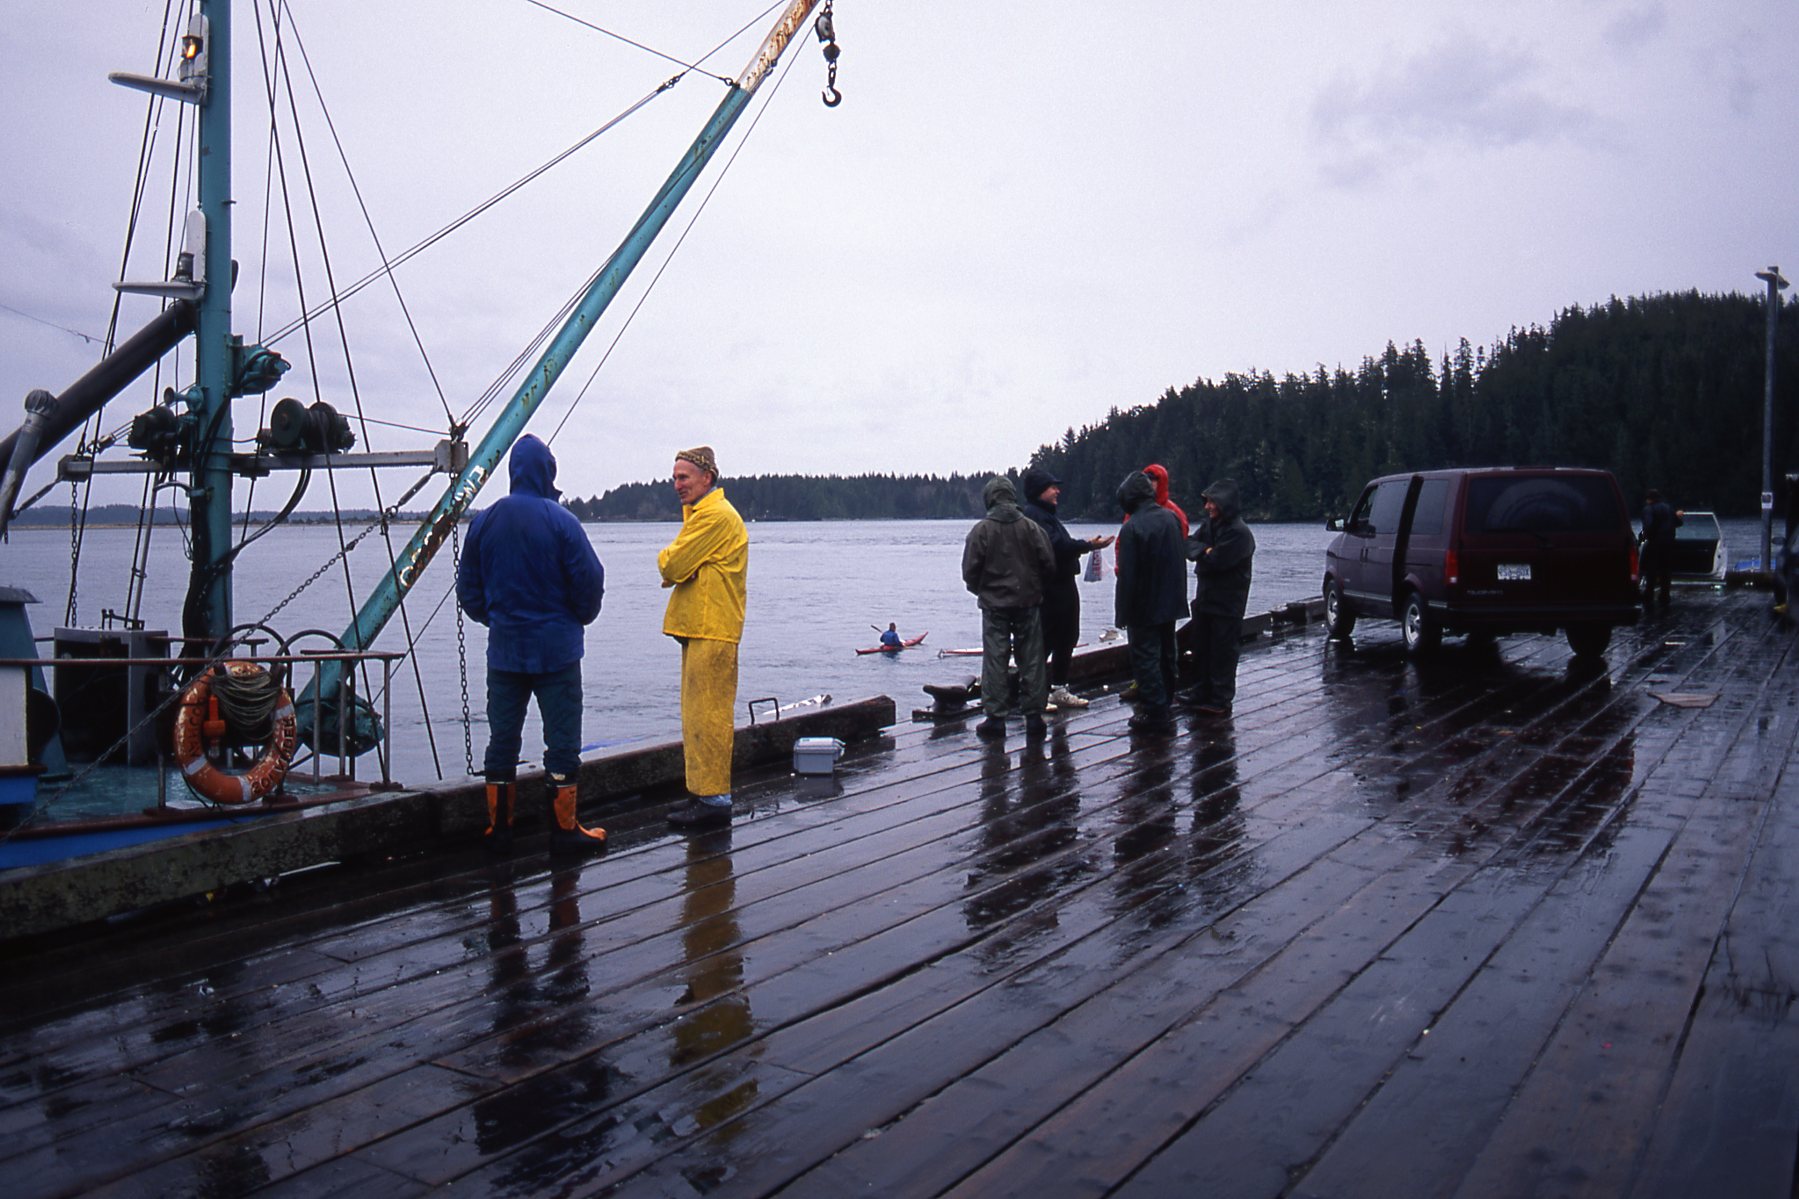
x=485 y=459
x=209 y=606
x=204 y=275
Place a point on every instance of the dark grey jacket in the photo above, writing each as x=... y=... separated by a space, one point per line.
x=1221 y=551
x=1152 y=577
x=1006 y=558
x=1062 y=543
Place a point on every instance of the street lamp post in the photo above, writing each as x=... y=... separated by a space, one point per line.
x=1776 y=284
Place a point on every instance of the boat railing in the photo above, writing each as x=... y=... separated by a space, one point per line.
x=347 y=660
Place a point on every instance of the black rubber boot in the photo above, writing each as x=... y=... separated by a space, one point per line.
x=697 y=815
x=498 y=837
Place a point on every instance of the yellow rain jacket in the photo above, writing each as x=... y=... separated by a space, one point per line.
x=708 y=566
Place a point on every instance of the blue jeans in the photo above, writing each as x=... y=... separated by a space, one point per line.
x=558 y=704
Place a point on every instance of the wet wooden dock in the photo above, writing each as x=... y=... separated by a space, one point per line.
x=1498 y=925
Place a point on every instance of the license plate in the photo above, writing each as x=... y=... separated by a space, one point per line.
x=1510 y=572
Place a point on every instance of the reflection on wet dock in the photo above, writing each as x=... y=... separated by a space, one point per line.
x=1500 y=924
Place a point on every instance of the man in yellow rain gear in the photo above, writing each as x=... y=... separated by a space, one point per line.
x=707 y=564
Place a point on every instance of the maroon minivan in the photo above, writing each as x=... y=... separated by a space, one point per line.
x=1486 y=551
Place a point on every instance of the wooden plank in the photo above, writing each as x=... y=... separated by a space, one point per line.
x=961 y=953
x=1730 y=1119
x=1581 y=1118
x=886 y=1090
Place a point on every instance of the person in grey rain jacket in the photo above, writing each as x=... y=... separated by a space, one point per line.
x=1006 y=560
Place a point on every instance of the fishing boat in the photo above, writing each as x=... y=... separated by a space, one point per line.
x=127 y=732
x=908 y=643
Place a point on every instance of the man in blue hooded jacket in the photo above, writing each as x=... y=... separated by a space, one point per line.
x=531 y=576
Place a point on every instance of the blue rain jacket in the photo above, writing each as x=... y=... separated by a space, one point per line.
x=529 y=572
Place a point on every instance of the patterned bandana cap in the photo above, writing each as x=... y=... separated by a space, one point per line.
x=700 y=456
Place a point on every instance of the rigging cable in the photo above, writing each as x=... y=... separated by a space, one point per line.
x=91 y=442
x=498 y=386
x=89 y=338
x=356 y=190
x=275 y=81
x=687 y=66
x=676 y=248
x=504 y=193
x=140 y=553
x=433 y=238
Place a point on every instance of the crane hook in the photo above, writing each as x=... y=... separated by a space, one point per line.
x=826 y=28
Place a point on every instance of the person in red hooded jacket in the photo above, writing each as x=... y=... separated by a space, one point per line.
x=1159 y=476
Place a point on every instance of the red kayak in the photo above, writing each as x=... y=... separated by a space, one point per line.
x=908 y=643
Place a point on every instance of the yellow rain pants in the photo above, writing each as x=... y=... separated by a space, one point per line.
x=708 y=700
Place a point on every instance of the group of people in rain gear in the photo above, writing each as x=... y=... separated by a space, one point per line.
x=530 y=574
x=1021 y=564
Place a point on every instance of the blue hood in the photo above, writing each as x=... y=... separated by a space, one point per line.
x=533 y=468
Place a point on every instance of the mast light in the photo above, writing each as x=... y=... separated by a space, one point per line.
x=193 y=72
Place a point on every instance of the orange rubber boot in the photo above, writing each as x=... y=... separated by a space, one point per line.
x=498 y=837
x=566 y=833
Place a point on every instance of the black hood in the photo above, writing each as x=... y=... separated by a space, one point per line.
x=1136 y=491
x=1224 y=494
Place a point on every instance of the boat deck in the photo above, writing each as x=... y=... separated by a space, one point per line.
x=1500 y=924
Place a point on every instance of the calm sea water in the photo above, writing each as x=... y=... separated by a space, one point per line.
x=817 y=591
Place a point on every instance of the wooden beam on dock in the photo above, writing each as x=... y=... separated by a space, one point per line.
x=35 y=900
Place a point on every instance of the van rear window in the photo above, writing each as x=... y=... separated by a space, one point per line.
x=1542 y=504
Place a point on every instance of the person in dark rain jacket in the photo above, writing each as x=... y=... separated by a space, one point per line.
x=1151 y=597
x=531 y=576
x=1222 y=549
x=1061 y=611
x=1006 y=560
x=1660 y=520
x=1158 y=475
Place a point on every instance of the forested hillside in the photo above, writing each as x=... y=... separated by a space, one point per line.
x=804 y=497
x=1665 y=391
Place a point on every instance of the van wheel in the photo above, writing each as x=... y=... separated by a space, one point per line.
x=1339 y=621
x=1418 y=626
x=1589 y=640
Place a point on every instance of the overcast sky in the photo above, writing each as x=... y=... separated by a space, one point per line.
x=1019 y=217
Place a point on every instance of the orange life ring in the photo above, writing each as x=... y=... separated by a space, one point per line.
x=208 y=781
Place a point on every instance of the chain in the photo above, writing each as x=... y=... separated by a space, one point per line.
x=468 y=745
x=74 y=552
x=379 y=523
x=826 y=28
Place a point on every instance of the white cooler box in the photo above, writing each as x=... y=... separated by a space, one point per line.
x=816 y=755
